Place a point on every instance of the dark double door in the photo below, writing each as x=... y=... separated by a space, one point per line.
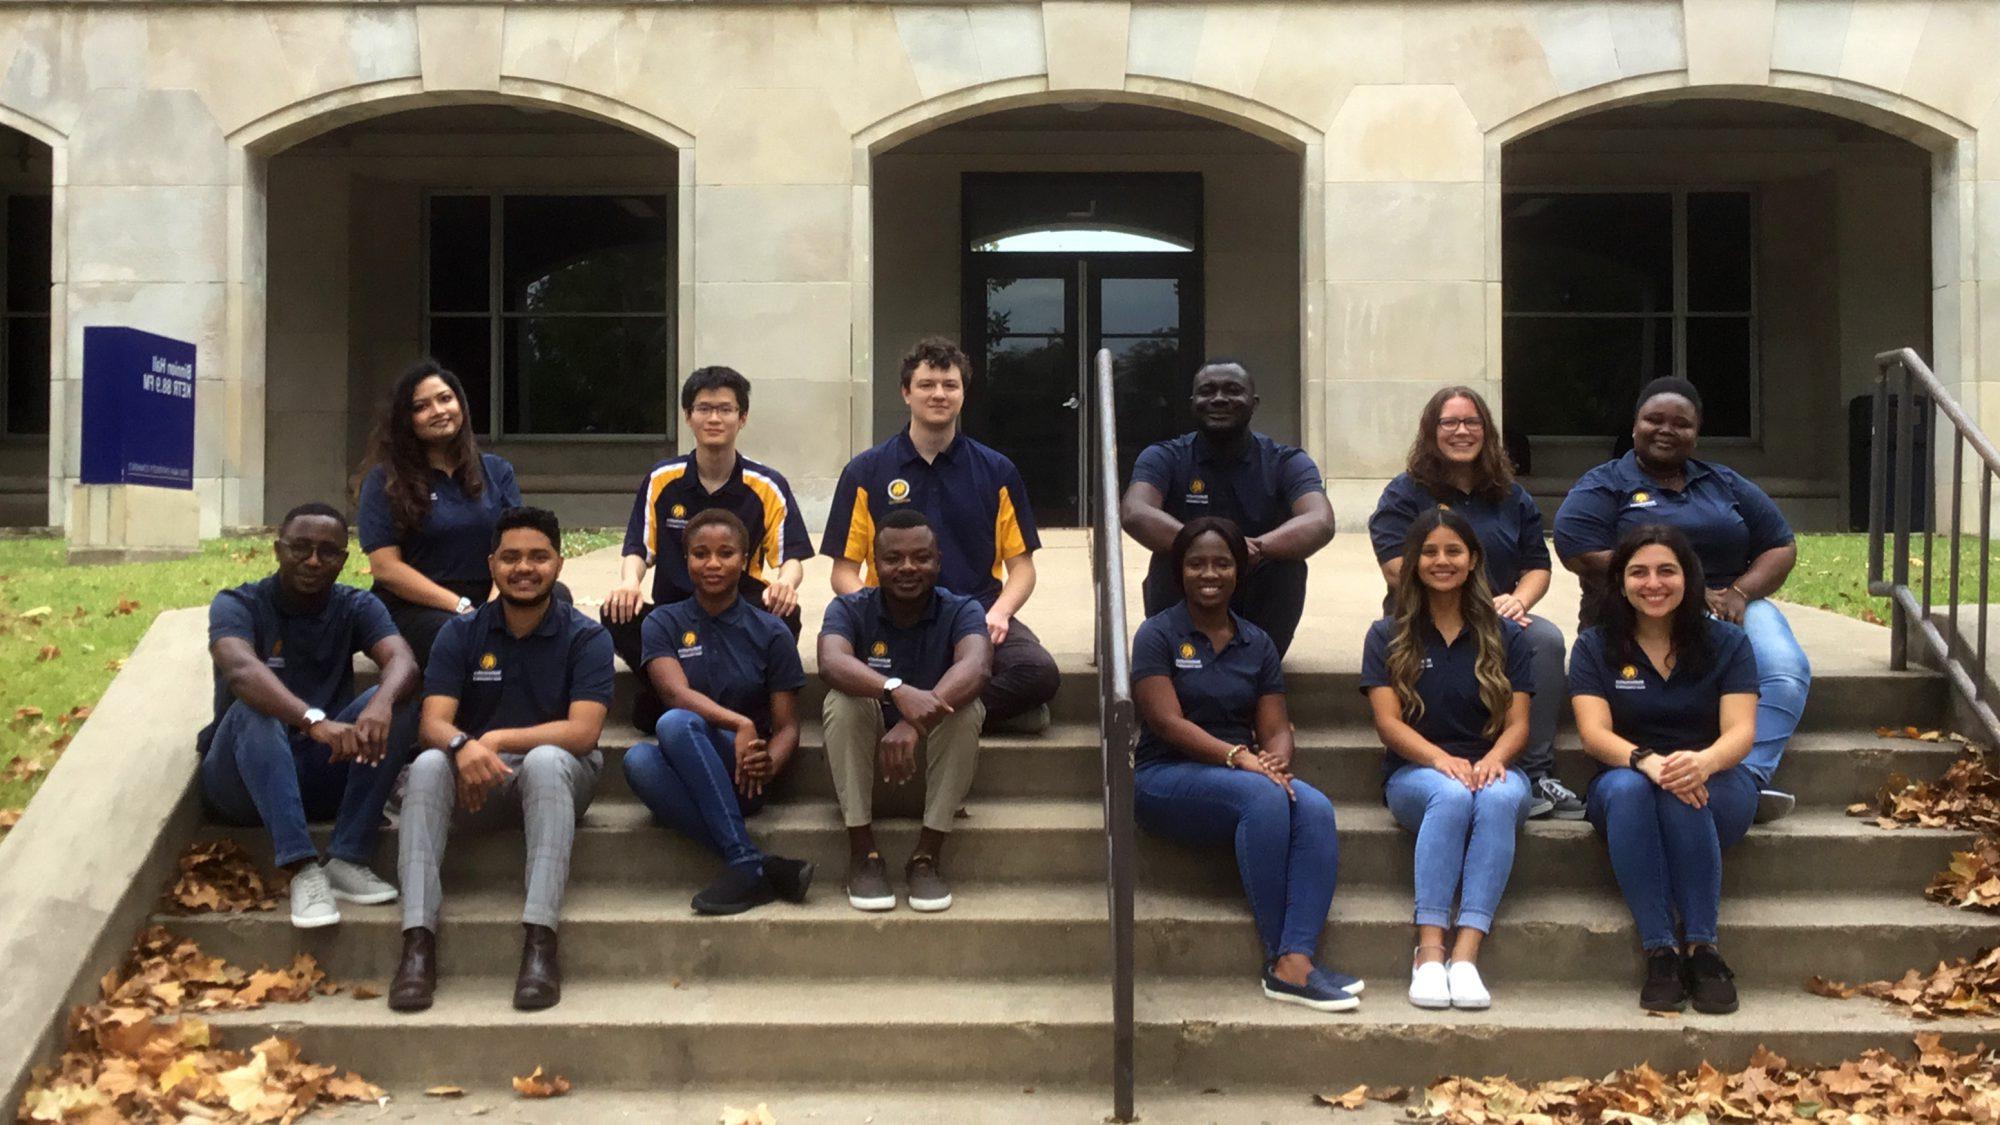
x=1032 y=324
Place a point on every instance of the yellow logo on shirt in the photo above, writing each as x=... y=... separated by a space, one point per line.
x=1641 y=496
x=899 y=490
x=1442 y=507
x=1187 y=650
x=678 y=511
x=489 y=662
x=879 y=648
x=688 y=638
x=1197 y=485
x=1629 y=672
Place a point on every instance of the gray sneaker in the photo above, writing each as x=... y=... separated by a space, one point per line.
x=352 y=882
x=868 y=883
x=1774 y=804
x=1549 y=797
x=312 y=899
x=929 y=893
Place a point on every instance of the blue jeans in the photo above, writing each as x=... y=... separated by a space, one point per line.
x=1465 y=841
x=260 y=771
x=1783 y=678
x=686 y=781
x=1666 y=853
x=1285 y=849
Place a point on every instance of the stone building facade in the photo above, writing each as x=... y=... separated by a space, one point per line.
x=576 y=203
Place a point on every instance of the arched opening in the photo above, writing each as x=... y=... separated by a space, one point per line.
x=26 y=251
x=1764 y=251
x=1035 y=235
x=531 y=249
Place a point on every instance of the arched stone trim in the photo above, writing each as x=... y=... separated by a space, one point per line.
x=1920 y=124
x=303 y=120
x=33 y=127
x=1253 y=117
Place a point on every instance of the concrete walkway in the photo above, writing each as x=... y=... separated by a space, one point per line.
x=1344 y=595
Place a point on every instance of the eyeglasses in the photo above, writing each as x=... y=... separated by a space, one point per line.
x=328 y=553
x=713 y=410
x=1453 y=425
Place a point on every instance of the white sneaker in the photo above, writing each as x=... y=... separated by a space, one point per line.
x=352 y=882
x=312 y=899
x=1467 y=990
x=1428 y=987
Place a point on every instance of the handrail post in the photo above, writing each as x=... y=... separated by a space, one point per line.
x=1904 y=498
x=1118 y=726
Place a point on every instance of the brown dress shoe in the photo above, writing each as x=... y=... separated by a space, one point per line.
x=539 y=984
x=416 y=976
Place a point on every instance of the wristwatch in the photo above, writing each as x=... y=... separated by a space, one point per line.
x=464 y=604
x=1640 y=754
x=312 y=718
x=457 y=742
x=889 y=687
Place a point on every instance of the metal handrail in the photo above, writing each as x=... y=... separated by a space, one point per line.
x=1118 y=725
x=1902 y=378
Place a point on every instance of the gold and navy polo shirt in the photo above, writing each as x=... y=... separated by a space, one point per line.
x=672 y=494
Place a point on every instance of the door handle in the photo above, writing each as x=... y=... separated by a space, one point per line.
x=1073 y=403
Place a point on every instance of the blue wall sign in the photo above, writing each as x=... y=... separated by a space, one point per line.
x=138 y=408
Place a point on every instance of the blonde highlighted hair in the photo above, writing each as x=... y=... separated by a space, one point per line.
x=1413 y=617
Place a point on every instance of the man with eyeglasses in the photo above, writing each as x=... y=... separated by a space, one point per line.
x=1273 y=492
x=291 y=741
x=715 y=401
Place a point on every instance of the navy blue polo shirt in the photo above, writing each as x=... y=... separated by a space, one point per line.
x=1218 y=691
x=972 y=494
x=452 y=543
x=1667 y=714
x=738 y=657
x=1729 y=520
x=672 y=493
x=1256 y=487
x=1510 y=530
x=311 y=652
x=1454 y=718
x=504 y=682
x=919 y=655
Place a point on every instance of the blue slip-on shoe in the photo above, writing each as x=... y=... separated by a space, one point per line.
x=1314 y=994
x=1335 y=979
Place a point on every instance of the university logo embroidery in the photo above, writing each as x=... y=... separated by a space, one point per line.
x=1186 y=658
x=488 y=662
x=688 y=646
x=489 y=670
x=1197 y=492
x=1196 y=485
x=1628 y=679
x=878 y=656
x=687 y=638
x=879 y=648
x=1643 y=499
x=899 y=490
x=678 y=511
x=277 y=657
x=1629 y=672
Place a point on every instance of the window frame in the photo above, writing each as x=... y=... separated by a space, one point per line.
x=1681 y=314
x=8 y=315
x=497 y=316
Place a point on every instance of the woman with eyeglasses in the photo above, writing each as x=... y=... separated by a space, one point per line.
x=429 y=502
x=1456 y=462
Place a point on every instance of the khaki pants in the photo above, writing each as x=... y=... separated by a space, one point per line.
x=945 y=763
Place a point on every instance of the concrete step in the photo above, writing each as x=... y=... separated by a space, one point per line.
x=1820 y=768
x=1062 y=840
x=1193 y=1033
x=1037 y=929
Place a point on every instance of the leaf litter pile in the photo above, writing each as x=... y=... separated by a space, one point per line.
x=135 y=1055
x=1937 y=1086
x=1966 y=797
x=218 y=876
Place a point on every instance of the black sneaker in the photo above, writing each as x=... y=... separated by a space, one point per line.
x=868 y=883
x=788 y=877
x=1709 y=982
x=739 y=889
x=1664 y=990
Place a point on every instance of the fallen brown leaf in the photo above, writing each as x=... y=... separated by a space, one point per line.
x=1352 y=1099
x=9 y=818
x=732 y=1115
x=49 y=652
x=366 y=992
x=219 y=876
x=536 y=1086
x=446 y=1091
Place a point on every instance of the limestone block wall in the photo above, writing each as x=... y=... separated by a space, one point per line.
x=165 y=119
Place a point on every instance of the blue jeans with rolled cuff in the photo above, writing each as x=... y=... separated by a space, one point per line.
x=686 y=779
x=1784 y=676
x=1465 y=841
x=1666 y=853
x=260 y=771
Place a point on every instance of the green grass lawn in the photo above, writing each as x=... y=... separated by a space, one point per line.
x=65 y=631
x=1832 y=574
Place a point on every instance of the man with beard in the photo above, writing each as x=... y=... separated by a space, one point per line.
x=291 y=742
x=514 y=701
x=904 y=664
x=1272 y=492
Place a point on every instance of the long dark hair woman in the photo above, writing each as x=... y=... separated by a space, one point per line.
x=1665 y=697
x=1215 y=762
x=429 y=501
x=1745 y=546
x=1456 y=461
x=1448 y=679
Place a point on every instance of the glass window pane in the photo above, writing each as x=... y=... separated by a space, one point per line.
x=586 y=253
x=1719 y=363
x=587 y=375
x=1577 y=377
x=1019 y=409
x=1610 y=252
x=28 y=253
x=1148 y=306
x=27 y=372
x=1025 y=305
x=1719 y=251
x=1079 y=241
x=1149 y=384
x=464 y=345
x=460 y=254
